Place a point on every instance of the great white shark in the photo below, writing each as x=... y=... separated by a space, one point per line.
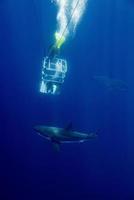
x=60 y=135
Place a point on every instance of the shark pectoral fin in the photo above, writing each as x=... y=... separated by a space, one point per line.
x=69 y=127
x=56 y=146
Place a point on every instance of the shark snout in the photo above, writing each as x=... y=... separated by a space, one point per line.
x=37 y=128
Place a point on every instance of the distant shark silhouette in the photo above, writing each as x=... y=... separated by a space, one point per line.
x=111 y=83
x=60 y=135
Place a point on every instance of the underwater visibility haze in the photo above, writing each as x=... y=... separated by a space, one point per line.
x=67 y=75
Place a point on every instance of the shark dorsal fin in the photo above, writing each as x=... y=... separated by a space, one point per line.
x=69 y=127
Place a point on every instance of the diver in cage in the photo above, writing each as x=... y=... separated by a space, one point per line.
x=49 y=87
x=52 y=87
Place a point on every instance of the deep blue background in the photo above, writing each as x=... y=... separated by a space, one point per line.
x=103 y=45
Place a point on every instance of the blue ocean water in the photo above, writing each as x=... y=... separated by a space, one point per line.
x=103 y=45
